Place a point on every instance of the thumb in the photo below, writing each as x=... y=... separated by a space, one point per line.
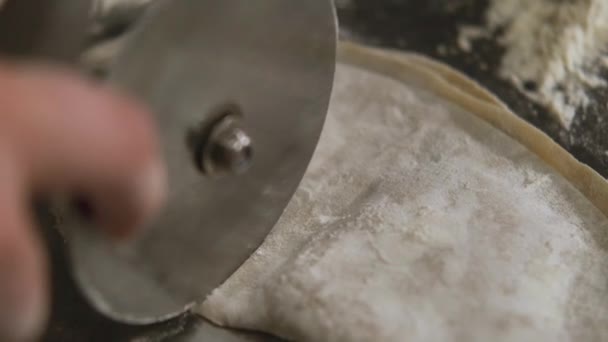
x=76 y=136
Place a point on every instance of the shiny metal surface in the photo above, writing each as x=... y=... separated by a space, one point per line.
x=228 y=149
x=275 y=60
x=111 y=17
x=51 y=30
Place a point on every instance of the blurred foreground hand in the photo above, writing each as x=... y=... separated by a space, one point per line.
x=62 y=134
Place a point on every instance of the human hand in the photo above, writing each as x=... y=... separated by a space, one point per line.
x=62 y=134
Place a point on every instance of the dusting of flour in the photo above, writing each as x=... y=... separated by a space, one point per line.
x=554 y=49
x=417 y=221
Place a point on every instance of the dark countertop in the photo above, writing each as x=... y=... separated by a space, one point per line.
x=424 y=26
x=420 y=26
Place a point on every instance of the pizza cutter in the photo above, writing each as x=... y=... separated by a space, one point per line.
x=240 y=90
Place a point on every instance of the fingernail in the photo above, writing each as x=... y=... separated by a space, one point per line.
x=22 y=311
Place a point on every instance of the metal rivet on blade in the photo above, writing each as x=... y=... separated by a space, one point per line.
x=228 y=148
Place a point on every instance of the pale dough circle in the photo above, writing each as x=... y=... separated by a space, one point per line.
x=419 y=220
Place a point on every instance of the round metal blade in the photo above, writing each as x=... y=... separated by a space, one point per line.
x=268 y=62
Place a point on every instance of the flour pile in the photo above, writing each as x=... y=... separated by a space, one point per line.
x=554 y=49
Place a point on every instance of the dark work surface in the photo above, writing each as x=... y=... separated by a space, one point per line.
x=423 y=26
x=412 y=25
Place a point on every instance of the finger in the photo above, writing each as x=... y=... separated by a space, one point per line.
x=23 y=296
x=79 y=136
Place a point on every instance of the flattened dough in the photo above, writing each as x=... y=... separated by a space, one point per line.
x=419 y=220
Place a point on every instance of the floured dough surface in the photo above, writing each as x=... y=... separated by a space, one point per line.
x=418 y=221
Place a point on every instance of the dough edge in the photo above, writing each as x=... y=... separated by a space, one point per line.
x=466 y=93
